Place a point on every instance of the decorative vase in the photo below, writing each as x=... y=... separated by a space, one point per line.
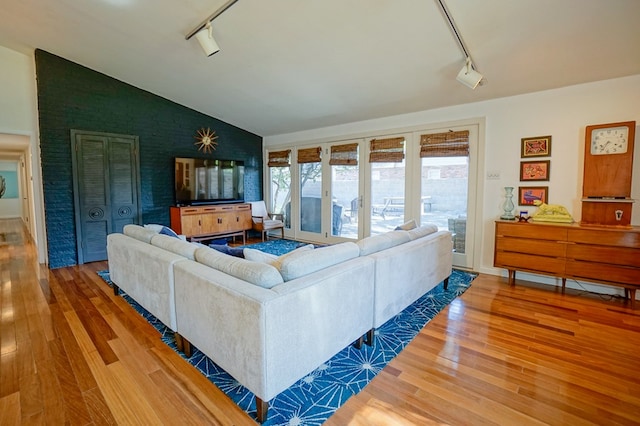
x=508 y=204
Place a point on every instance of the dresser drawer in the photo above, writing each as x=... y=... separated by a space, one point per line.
x=604 y=254
x=531 y=231
x=609 y=237
x=529 y=262
x=602 y=272
x=536 y=247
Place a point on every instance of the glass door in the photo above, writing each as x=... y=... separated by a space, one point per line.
x=310 y=211
x=345 y=190
x=387 y=182
x=446 y=196
x=279 y=175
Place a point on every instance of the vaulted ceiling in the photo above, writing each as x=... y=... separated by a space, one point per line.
x=291 y=65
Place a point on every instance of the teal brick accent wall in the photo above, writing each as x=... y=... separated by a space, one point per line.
x=71 y=96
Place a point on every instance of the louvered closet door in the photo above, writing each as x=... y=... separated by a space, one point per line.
x=106 y=189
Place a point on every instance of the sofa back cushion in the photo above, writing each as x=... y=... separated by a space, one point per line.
x=261 y=274
x=384 y=241
x=304 y=262
x=426 y=229
x=139 y=233
x=175 y=245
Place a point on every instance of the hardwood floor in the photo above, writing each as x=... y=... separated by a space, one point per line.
x=72 y=353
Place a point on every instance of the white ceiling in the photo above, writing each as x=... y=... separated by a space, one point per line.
x=291 y=65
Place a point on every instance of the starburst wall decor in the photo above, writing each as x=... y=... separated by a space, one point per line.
x=206 y=140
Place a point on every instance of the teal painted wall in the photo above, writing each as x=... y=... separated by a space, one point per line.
x=71 y=96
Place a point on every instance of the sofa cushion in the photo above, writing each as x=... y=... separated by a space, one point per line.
x=260 y=274
x=426 y=229
x=175 y=245
x=139 y=233
x=259 y=256
x=304 y=262
x=384 y=241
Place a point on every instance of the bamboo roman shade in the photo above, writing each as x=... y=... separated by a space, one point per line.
x=279 y=158
x=448 y=144
x=386 y=150
x=309 y=155
x=344 y=155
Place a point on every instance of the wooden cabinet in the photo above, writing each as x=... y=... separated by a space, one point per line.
x=608 y=256
x=205 y=222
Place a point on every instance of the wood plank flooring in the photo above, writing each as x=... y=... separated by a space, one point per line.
x=72 y=353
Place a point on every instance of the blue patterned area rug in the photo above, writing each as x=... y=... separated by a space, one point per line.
x=314 y=398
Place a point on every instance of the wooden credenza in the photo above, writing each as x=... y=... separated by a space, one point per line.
x=205 y=222
x=603 y=255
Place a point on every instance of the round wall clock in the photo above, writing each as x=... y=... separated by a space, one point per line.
x=206 y=140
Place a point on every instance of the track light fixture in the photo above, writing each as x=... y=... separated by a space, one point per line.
x=206 y=40
x=204 y=33
x=468 y=75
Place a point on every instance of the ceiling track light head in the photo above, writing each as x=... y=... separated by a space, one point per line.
x=468 y=76
x=206 y=40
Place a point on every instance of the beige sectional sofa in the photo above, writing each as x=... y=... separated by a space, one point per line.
x=268 y=327
x=269 y=323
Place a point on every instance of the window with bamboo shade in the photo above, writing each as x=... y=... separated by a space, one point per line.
x=279 y=158
x=390 y=150
x=309 y=155
x=344 y=155
x=447 y=144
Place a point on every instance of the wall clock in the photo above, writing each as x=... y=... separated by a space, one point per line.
x=608 y=166
x=610 y=140
x=206 y=140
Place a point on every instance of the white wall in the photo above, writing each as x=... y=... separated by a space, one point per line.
x=562 y=113
x=18 y=116
x=11 y=207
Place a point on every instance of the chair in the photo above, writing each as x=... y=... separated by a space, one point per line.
x=265 y=222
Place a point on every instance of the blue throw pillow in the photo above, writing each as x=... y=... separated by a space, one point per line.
x=168 y=231
x=233 y=251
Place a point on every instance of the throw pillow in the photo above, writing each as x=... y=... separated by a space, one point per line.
x=232 y=251
x=154 y=227
x=168 y=231
x=407 y=226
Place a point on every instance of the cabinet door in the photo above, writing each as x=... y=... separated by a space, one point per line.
x=191 y=224
x=209 y=218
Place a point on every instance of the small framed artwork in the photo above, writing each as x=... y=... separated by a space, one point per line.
x=534 y=170
x=539 y=146
x=528 y=194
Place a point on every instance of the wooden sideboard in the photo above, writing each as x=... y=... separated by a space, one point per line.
x=206 y=222
x=604 y=255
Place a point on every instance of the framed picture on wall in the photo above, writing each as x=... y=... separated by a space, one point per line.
x=534 y=170
x=528 y=194
x=539 y=146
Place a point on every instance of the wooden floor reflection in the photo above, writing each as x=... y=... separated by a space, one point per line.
x=72 y=353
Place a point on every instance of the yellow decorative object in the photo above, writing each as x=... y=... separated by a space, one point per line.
x=551 y=213
x=206 y=139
